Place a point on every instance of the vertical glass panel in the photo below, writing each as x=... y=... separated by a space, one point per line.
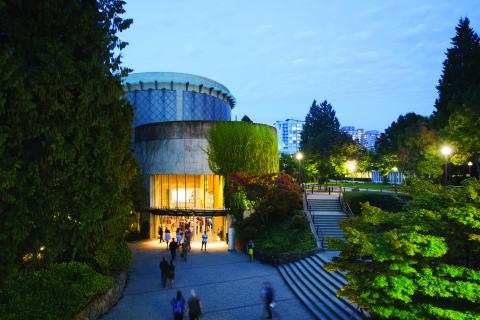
x=190 y=191
x=181 y=194
x=164 y=192
x=209 y=192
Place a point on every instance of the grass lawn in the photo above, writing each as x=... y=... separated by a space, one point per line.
x=363 y=185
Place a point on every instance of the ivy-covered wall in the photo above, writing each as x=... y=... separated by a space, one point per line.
x=242 y=147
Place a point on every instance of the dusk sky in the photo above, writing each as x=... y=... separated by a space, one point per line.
x=372 y=60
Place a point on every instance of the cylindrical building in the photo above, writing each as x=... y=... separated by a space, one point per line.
x=172 y=115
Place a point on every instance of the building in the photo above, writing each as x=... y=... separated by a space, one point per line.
x=289 y=135
x=172 y=115
x=365 y=138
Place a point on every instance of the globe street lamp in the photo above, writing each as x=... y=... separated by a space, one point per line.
x=352 y=165
x=446 y=151
x=299 y=157
x=470 y=164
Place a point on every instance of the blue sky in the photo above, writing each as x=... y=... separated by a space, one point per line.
x=372 y=60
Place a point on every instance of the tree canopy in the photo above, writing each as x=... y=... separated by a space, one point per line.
x=421 y=263
x=65 y=163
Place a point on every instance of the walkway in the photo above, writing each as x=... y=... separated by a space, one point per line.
x=226 y=282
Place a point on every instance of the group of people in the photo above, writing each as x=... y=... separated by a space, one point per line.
x=193 y=307
x=181 y=241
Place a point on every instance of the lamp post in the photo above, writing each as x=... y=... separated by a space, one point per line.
x=470 y=164
x=395 y=170
x=299 y=157
x=446 y=151
x=352 y=165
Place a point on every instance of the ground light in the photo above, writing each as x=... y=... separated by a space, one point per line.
x=299 y=157
x=446 y=151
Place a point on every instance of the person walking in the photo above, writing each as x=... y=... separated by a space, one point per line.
x=250 y=248
x=188 y=238
x=204 y=240
x=167 y=236
x=194 y=306
x=178 y=306
x=171 y=273
x=173 y=249
x=164 y=271
x=179 y=235
x=267 y=296
x=160 y=234
x=184 y=250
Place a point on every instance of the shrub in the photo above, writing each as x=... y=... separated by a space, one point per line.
x=299 y=221
x=391 y=202
x=58 y=292
x=113 y=257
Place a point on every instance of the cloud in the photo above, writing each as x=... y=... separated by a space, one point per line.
x=413 y=31
x=299 y=61
x=304 y=34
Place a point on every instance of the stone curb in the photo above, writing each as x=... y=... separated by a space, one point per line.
x=102 y=304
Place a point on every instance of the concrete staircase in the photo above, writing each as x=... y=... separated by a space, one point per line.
x=326 y=213
x=317 y=289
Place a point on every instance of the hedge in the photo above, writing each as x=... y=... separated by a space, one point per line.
x=387 y=201
x=58 y=292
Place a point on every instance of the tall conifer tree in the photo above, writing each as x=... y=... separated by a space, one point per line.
x=65 y=160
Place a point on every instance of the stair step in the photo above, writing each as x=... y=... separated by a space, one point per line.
x=319 y=314
x=330 y=292
x=314 y=297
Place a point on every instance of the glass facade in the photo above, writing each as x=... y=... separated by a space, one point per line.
x=201 y=106
x=161 y=106
x=184 y=191
x=153 y=106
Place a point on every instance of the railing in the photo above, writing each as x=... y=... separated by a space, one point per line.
x=345 y=207
x=319 y=233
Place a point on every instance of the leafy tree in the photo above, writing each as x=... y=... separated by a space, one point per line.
x=308 y=168
x=461 y=74
x=65 y=162
x=463 y=130
x=410 y=145
x=421 y=263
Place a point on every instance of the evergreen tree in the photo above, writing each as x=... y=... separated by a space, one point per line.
x=461 y=73
x=65 y=159
x=321 y=128
x=245 y=118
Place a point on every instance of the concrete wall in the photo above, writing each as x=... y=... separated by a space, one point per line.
x=173 y=147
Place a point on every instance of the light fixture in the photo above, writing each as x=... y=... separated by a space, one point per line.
x=446 y=150
x=299 y=156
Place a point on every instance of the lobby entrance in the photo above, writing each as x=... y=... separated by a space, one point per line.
x=214 y=225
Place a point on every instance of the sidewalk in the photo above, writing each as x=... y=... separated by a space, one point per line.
x=228 y=285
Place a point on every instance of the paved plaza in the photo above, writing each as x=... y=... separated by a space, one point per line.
x=228 y=285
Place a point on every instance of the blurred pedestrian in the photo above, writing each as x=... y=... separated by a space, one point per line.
x=164 y=267
x=194 y=306
x=173 y=249
x=171 y=273
x=167 y=236
x=267 y=296
x=204 y=240
x=184 y=250
x=178 y=306
x=160 y=234
x=188 y=238
x=250 y=248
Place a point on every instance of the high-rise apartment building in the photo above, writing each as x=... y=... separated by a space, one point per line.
x=365 y=138
x=289 y=135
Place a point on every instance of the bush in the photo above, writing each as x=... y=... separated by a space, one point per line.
x=113 y=257
x=280 y=237
x=391 y=202
x=299 y=222
x=58 y=292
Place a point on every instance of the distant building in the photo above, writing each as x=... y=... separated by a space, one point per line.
x=365 y=138
x=289 y=135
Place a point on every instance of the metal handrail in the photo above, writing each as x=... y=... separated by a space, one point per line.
x=345 y=207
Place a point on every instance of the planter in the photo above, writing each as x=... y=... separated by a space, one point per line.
x=101 y=304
